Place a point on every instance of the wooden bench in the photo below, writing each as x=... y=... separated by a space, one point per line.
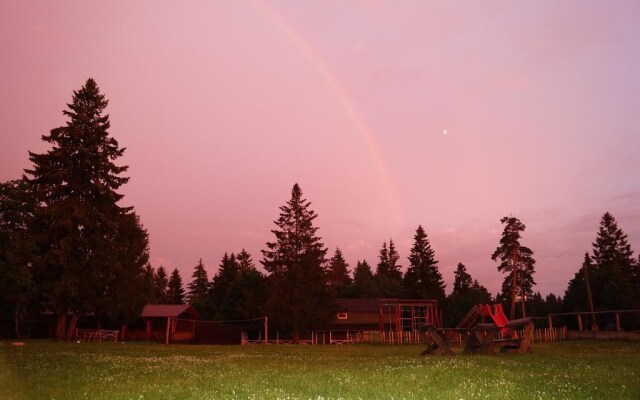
x=515 y=336
x=435 y=339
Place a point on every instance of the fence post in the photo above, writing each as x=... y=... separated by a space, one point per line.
x=579 y=322
x=266 y=330
x=550 y=321
x=618 y=329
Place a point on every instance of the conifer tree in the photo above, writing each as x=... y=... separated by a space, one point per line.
x=364 y=285
x=338 y=274
x=161 y=285
x=16 y=250
x=198 y=288
x=612 y=270
x=467 y=292
x=221 y=282
x=388 y=274
x=423 y=280
x=85 y=239
x=247 y=293
x=299 y=296
x=175 y=291
x=245 y=262
x=524 y=261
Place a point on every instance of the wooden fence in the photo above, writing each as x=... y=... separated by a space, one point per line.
x=96 y=335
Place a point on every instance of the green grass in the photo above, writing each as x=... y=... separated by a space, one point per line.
x=568 y=370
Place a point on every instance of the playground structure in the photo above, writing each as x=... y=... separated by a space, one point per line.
x=480 y=336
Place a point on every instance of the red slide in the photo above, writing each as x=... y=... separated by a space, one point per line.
x=497 y=315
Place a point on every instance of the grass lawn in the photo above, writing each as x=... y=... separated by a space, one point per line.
x=567 y=370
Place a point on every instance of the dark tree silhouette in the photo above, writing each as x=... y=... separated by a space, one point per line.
x=161 y=286
x=198 y=289
x=524 y=261
x=86 y=255
x=338 y=275
x=299 y=296
x=175 y=291
x=388 y=275
x=364 y=285
x=247 y=293
x=466 y=293
x=222 y=281
x=423 y=280
x=613 y=273
x=16 y=250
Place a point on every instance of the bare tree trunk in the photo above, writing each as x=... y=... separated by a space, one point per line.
x=17 y=320
x=61 y=327
x=72 y=327
x=296 y=335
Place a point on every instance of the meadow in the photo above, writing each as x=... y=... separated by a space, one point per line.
x=565 y=370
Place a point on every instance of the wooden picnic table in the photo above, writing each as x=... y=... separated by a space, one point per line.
x=482 y=338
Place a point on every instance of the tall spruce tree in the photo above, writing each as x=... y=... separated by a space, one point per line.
x=84 y=260
x=221 y=282
x=175 y=291
x=423 y=280
x=338 y=275
x=299 y=295
x=198 y=288
x=612 y=270
x=161 y=285
x=364 y=285
x=509 y=250
x=388 y=274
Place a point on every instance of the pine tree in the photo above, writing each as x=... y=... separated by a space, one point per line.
x=364 y=285
x=467 y=292
x=149 y=284
x=245 y=262
x=612 y=270
x=423 y=280
x=247 y=293
x=462 y=281
x=161 y=284
x=338 y=274
x=388 y=274
x=84 y=262
x=175 y=291
x=299 y=296
x=198 y=288
x=221 y=282
x=525 y=263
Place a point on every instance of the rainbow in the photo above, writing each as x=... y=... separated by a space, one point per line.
x=320 y=66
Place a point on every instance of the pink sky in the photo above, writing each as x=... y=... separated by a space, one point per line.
x=224 y=105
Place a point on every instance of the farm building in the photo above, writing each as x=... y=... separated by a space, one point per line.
x=165 y=323
x=378 y=320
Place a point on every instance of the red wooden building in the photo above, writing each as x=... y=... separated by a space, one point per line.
x=379 y=320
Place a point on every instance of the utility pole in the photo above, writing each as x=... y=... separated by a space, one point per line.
x=513 y=287
x=587 y=261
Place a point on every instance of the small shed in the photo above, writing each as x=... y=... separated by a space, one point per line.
x=167 y=323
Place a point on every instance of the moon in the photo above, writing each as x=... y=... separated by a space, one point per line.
x=444 y=132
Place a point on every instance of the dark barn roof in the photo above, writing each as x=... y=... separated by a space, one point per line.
x=169 y=310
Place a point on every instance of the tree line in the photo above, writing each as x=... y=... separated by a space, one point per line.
x=68 y=247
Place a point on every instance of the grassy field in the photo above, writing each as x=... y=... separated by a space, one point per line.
x=568 y=370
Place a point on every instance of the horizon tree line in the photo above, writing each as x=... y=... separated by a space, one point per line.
x=68 y=247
